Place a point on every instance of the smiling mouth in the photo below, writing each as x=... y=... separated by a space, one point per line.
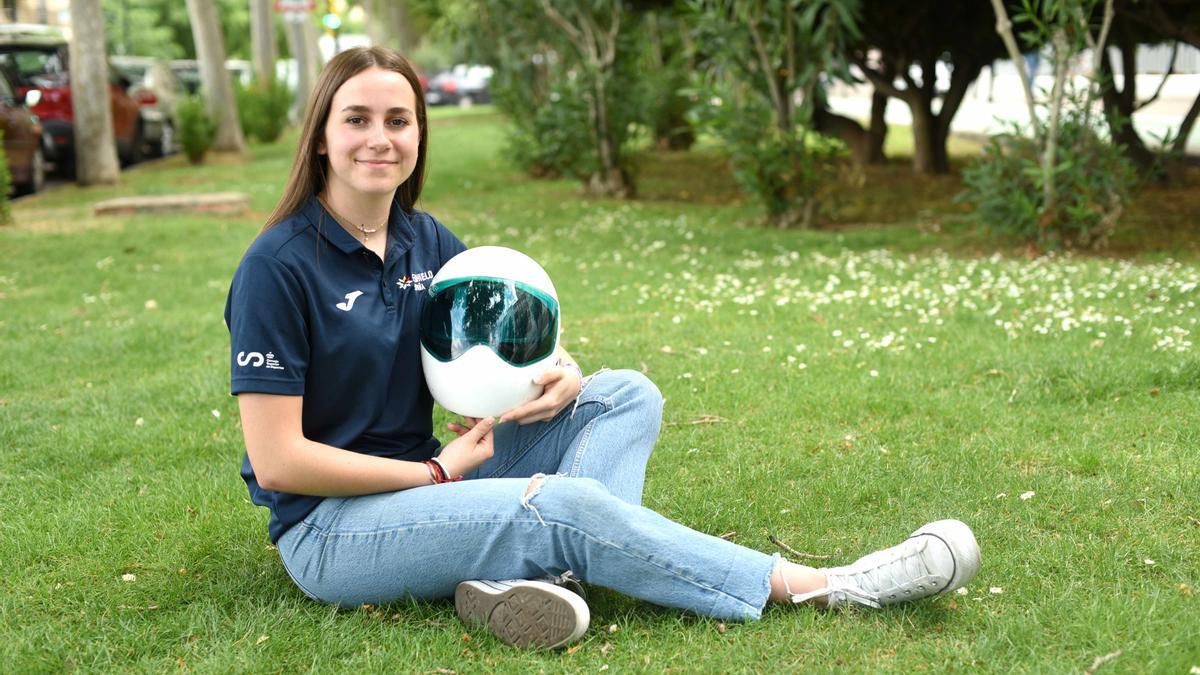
x=375 y=162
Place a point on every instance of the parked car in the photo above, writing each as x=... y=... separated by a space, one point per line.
x=156 y=89
x=188 y=73
x=35 y=58
x=22 y=142
x=463 y=85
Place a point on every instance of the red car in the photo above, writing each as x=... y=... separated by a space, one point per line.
x=37 y=60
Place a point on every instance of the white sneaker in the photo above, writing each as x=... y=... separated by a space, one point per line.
x=523 y=613
x=936 y=559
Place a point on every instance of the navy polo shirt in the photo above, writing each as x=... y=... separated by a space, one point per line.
x=311 y=312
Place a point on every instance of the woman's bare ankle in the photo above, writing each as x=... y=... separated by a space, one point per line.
x=788 y=579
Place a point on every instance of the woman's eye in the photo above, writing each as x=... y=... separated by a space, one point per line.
x=398 y=122
x=354 y=120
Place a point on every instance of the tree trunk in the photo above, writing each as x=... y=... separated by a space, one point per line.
x=611 y=181
x=877 y=132
x=95 y=148
x=312 y=42
x=866 y=145
x=262 y=40
x=390 y=26
x=1119 y=105
x=302 y=53
x=929 y=131
x=598 y=49
x=217 y=82
x=929 y=151
x=672 y=131
x=845 y=129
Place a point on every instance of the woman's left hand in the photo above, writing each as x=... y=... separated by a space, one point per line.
x=562 y=386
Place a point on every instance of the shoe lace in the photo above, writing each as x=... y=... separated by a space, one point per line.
x=838 y=594
x=866 y=586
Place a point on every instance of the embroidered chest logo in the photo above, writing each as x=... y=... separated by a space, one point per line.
x=258 y=360
x=349 y=303
x=414 y=281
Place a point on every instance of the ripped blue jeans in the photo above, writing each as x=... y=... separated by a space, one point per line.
x=558 y=495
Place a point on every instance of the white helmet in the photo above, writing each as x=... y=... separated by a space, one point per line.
x=489 y=327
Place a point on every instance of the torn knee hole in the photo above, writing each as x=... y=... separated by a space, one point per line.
x=534 y=486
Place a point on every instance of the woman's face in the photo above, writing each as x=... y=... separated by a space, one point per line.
x=371 y=137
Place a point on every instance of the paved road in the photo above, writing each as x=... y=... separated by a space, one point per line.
x=995 y=98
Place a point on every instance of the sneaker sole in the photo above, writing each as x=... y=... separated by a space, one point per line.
x=957 y=536
x=533 y=615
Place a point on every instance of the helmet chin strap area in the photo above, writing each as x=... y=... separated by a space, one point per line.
x=480 y=384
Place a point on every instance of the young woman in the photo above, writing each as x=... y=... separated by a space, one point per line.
x=323 y=315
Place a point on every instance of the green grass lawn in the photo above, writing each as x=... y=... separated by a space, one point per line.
x=835 y=388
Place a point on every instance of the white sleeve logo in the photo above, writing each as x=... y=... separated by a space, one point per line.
x=349 y=303
x=257 y=360
x=253 y=359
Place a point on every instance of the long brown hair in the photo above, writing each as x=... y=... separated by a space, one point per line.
x=309 y=166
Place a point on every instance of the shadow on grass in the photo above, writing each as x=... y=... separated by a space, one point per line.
x=1159 y=221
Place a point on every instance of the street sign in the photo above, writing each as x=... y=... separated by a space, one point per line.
x=295 y=6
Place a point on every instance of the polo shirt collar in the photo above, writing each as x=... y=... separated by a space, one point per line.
x=400 y=228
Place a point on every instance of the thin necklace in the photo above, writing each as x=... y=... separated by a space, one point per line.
x=366 y=232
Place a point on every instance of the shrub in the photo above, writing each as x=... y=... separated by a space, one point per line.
x=1092 y=179
x=789 y=171
x=553 y=139
x=568 y=57
x=196 y=128
x=757 y=95
x=263 y=109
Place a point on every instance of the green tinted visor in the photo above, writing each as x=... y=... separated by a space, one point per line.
x=516 y=321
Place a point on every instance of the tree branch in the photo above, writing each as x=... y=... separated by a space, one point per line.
x=558 y=19
x=907 y=77
x=582 y=42
x=1004 y=28
x=1049 y=157
x=1161 y=22
x=1185 y=129
x=610 y=55
x=1169 y=73
x=790 y=57
x=768 y=72
x=1098 y=47
x=961 y=77
x=879 y=80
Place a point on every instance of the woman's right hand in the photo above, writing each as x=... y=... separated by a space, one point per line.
x=472 y=448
